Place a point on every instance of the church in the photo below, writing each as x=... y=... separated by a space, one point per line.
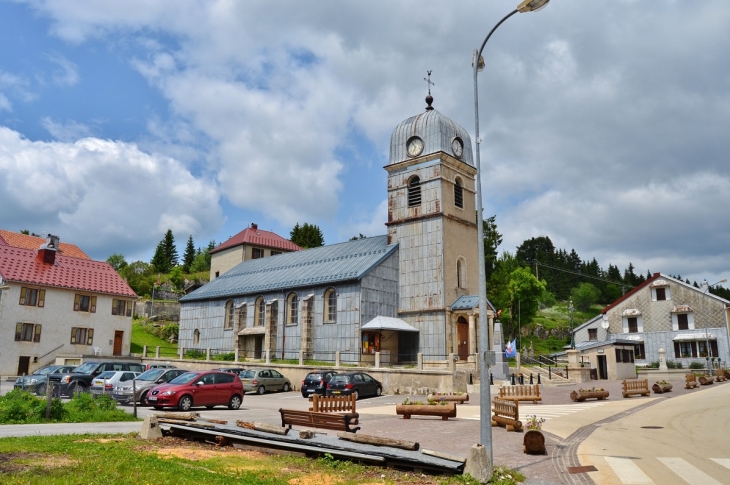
x=412 y=290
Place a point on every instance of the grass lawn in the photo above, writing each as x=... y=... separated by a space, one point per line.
x=113 y=459
x=140 y=338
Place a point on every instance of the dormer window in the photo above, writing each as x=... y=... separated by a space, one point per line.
x=414 y=192
x=660 y=291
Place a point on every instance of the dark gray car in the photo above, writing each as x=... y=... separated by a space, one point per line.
x=38 y=380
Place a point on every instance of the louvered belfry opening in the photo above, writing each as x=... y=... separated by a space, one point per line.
x=458 y=194
x=414 y=192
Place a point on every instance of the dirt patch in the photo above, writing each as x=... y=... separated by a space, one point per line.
x=18 y=462
x=102 y=440
x=315 y=479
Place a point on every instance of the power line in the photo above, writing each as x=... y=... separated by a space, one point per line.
x=583 y=275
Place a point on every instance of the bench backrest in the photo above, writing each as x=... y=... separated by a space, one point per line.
x=508 y=409
x=333 y=404
x=519 y=390
x=635 y=384
x=691 y=377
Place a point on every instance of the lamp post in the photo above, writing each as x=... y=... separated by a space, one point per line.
x=572 y=334
x=485 y=430
x=705 y=289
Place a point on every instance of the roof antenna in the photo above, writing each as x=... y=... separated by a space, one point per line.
x=429 y=98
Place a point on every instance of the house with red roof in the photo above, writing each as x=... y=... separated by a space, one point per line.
x=58 y=305
x=251 y=243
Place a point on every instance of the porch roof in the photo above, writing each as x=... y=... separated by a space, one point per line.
x=691 y=337
x=260 y=330
x=388 y=323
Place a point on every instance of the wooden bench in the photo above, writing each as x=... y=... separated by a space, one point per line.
x=691 y=381
x=333 y=404
x=635 y=386
x=525 y=392
x=336 y=421
x=507 y=414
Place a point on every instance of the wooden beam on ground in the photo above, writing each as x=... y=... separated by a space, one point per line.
x=445 y=456
x=263 y=427
x=378 y=441
x=184 y=416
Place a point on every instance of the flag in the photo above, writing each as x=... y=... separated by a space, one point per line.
x=511 y=349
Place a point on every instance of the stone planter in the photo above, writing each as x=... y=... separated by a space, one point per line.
x=706 y=380
x=580 y=396
x=534 y=442
x=445 y=411
x=661 y=388
x=457 y=398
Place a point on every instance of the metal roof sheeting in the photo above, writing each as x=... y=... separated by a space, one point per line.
x=468 y=302
x=388 y=323
x=324 y=265
x=691 y=337
x=436 y=130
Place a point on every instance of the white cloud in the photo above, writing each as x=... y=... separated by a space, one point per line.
x=4 y=103
x=69 y=131
x=67 y=73
x=104 y=193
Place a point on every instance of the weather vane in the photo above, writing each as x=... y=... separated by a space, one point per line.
x=430 y=83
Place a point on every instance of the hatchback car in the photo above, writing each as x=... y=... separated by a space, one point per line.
x=262 y=380
x=38 y=380
x=143 y=383
x=198 y=388
x=357 y=383
x=105 y=382
x=316 y=382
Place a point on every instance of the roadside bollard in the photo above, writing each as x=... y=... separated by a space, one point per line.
x=531 y=379
x=513 y=379
x=522 y=379
x=471 y=379
x=491 y=379
x=550 y=373
x=538 y=379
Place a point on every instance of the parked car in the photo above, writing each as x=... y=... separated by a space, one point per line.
x=316 y=382
x=80 y=379
x=159 y=366
x=143 y=383
x=105 y=382
x=37 y=381
x=198 y=388
x=357 y=383
x=262 y=380
x=232 y=370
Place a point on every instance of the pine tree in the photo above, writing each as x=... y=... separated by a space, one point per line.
x=159 y=262
x=307 y=236
x=189 y=255
x=170 y=249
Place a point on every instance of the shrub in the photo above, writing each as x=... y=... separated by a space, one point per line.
x=696 y=365
x=228 y=357
x=195 y=354
x=654 y=365
x=671 y=364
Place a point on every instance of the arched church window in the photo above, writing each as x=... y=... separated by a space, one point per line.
x=196 y=337
x=242 y=316
x=292 y=309
x=458 y=194
x=259 y=312
x=414 y=192
x=330 y=306
x=230 y=310
x=460 y=273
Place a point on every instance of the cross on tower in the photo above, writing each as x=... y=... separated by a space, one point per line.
x=429 y=82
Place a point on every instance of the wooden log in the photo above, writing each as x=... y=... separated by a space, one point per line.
x=580 y=396
x=216 y=421
x=706 y=380
x=263 y=427
x=534 y=442
x=509 y=423
x=307 y=434
x=458 y=398
x=445 y=411
x=661 y=388
x=191 y=416
x=222 y=441
x=378 y=441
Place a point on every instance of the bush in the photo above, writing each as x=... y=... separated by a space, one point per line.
x=195 y=354
x=20 y=407
x=654 y=365
x=228 y=357
x=696 y=365
x=673 y=365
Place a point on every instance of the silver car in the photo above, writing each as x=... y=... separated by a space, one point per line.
x=105 y=382
x=143 y=383
x=262 y=380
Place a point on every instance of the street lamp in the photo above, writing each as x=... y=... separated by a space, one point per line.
x=705 y=289
x=484 y=391
x=572 y=334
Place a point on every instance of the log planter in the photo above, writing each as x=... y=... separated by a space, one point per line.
x=450 y=397
x=721 y=376
x=727 y=374
x=534 y=442
x=580 y=396
x=444 y=411
x=661 y=388
x=706 y=380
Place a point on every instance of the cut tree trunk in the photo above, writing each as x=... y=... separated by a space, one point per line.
x=580 y=396
x=661 y=388
x=445 y=411
x=534 y=442
x=457 y=398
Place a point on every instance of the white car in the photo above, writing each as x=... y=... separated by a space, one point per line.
x=105 y=382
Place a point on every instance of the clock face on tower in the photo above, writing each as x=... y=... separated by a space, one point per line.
x=457 y=147
x=414 y=146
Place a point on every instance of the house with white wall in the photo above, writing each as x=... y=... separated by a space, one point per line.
x=59 y=308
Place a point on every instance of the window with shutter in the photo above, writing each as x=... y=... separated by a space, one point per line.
x=73 y=335
x=90 y=340
x=77 y=302
x=18 y=331
x=37 y=334
x=682 y=321
x=93 y=304
x=414 y=192
x=42 y=298
x=23 y=291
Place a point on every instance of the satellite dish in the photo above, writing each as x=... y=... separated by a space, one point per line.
x=604 y=324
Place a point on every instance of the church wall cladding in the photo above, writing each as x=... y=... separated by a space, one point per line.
x=656 y=318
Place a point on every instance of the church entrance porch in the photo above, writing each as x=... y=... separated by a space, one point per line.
x=395 y=340
x=462 y=330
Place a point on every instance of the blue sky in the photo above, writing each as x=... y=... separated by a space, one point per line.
x=604 y=126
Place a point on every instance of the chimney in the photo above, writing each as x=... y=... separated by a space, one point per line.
x=254 y=226
x=48 y=250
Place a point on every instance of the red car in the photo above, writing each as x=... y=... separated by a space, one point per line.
x=198 y=388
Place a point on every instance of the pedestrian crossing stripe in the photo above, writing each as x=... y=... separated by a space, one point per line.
x=548 y=411
x=629 y=472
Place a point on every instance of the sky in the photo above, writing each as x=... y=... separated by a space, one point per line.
x=605 y=125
